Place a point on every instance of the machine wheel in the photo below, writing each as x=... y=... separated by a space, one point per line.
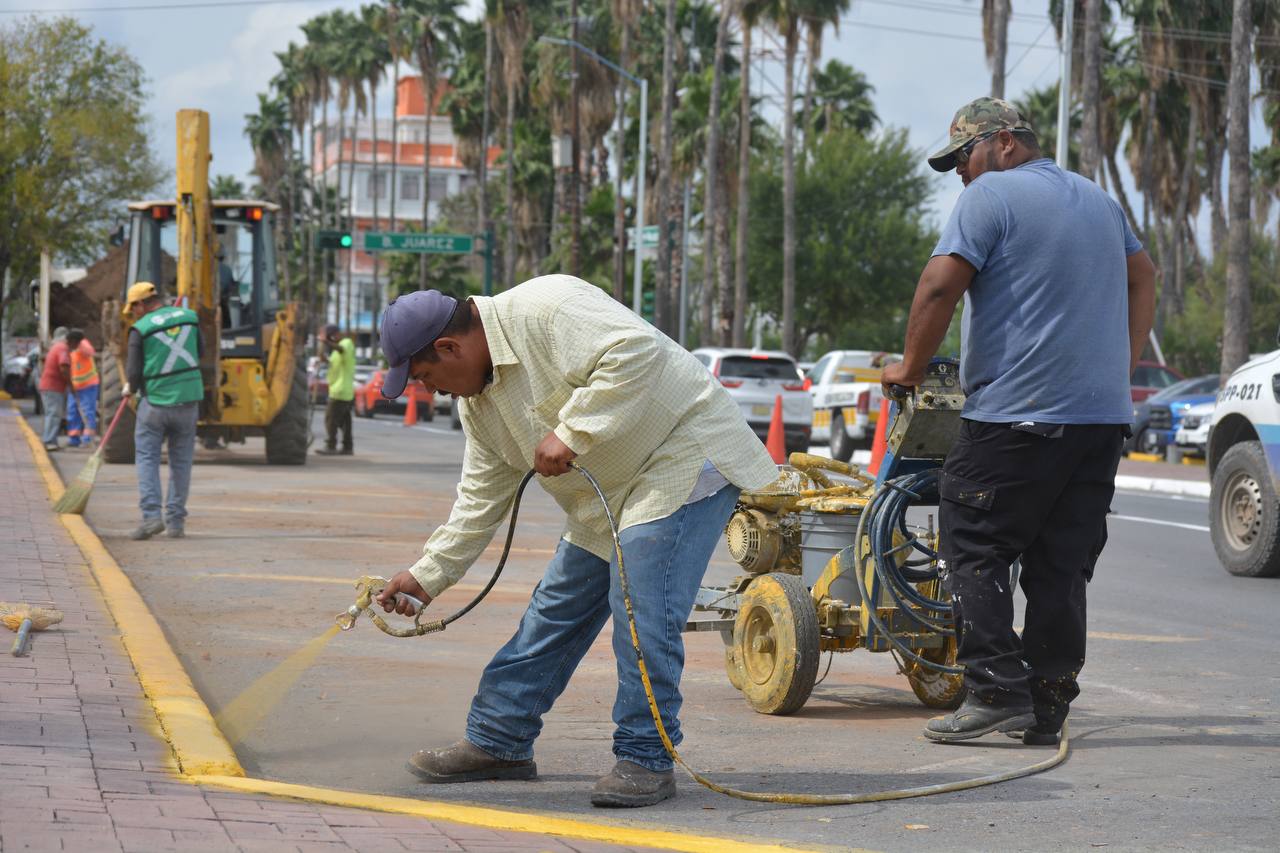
x=840 y=443
x=775 y=638
x=1244 y=518
x=120 y=448
x=287 y=434
x=732 y=668
x=942 y=690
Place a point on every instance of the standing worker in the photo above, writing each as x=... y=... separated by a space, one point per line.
x=82 y=398
x=164 y=367
x=1060 y=298
x=552 y=371
x=342 y=393
x=55 y=379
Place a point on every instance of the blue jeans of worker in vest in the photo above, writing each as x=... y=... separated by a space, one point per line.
x=665 y=562
x=82 y=415
x=156 y=425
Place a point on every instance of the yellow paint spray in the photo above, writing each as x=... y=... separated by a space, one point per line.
x=247 y=710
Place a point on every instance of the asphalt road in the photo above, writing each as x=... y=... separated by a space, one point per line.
x=1176 y=738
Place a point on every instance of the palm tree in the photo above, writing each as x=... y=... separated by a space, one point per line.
x=626 y=14
x=348 y=70
x=995 y=38
x=711 y=181
x=1090 y=137
x=435 y=30
x=290 y=84
x=269 y=135
x=786 y=16
x=818 y=15
x=395 y=32
x=374 y=19
x=664 y=295
x=319 y=91
x=842 y=100
x=512 y=28
x=1235 y=324
x=749 y=11
x=226 y=186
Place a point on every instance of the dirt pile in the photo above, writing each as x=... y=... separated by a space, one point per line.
x=80 y=305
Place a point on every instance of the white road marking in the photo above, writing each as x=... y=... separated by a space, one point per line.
x=1198 y=527
x=436 y=430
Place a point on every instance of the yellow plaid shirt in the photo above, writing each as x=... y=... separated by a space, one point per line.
x=642 y=414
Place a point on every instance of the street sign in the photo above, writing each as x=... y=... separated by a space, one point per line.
x=650 y=235
x=436 y=244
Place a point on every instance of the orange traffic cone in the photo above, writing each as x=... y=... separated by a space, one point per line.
x=411 y=409
x=776 y=443
x=878 y=445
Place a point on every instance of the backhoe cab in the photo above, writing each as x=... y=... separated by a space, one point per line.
x=218 y=258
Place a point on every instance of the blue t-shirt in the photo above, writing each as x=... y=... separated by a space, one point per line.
x=1045 y=334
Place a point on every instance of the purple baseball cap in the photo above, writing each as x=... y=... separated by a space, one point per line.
x=409 y=323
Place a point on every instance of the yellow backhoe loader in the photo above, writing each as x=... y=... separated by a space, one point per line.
x=254 y=377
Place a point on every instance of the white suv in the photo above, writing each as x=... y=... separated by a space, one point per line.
x=755 y=379
x=1244 y=463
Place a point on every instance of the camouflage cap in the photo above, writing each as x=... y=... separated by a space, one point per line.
x=977 y=118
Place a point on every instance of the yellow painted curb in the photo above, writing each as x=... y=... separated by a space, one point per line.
x=543 y=824
x=198 y=745
x=1193 y=460
x=1145 y=457
x=205 y=758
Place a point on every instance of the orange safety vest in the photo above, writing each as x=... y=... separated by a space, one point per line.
x=84 y=372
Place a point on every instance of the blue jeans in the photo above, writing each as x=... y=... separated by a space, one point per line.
x=154 y=425
x=55 y=406
x=665 y=561
x=82 y=415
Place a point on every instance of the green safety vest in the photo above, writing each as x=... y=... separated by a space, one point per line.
x=171 y=356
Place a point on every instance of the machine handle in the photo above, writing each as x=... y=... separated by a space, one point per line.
x=900 y=392
x=417 y=604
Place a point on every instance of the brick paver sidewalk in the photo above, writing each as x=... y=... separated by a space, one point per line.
x=81 y=764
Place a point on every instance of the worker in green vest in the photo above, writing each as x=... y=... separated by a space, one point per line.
x=164 y=367
x=342 y=393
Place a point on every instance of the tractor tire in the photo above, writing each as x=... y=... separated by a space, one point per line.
x=841 y=445
x=941 y=690
x=733 y=669
x=119 y=449
x=1244 y=515
x=287 y=435
x=776 y=642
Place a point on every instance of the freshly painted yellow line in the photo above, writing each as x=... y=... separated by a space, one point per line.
x=543 y=824
x=1193 y=460
x=1146 y=457
x=1142 y=638
x=205 y=758
x=198 y=745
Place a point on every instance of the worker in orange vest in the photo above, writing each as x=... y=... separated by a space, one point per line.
x=82 y=396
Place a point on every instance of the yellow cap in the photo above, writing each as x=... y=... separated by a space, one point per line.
x=140 y=292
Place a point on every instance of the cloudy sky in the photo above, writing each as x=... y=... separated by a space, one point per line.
x=924 y=57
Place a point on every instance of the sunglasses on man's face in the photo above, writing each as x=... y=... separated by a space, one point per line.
x=962 y=156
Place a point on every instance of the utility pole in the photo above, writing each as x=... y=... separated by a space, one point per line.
x=575 y=207
x=1064 y=82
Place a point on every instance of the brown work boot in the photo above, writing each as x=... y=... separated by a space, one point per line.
x=629 y=785
x=466 y=762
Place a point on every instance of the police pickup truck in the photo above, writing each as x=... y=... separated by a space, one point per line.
x=846 y=399
x=1244 y=464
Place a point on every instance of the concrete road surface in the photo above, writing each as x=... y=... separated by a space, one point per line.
x=1176 y=736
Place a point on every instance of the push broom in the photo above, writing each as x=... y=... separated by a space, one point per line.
x=76 y=496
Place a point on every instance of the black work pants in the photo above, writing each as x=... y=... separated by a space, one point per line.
x=1008 y=493
x=337 y=416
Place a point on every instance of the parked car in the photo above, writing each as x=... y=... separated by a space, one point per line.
x=1150 y=377
x=1244 y=458
x=369 y=400
x=1192 y=437
x=318 y=378
x=17 y=375
x=846 y=399
x=755 y=379
x=1157 y=418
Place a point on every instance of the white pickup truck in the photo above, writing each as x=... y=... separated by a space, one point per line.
x=846 y=399
x=1244 y=464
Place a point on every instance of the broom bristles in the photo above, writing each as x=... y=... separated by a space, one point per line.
x=76 y=497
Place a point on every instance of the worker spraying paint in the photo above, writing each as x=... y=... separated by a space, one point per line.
x=551 y=373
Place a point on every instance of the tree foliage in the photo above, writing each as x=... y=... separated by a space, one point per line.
x=862 y=235
x=73 y=143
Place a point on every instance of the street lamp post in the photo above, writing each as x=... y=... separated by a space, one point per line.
x=644 y=139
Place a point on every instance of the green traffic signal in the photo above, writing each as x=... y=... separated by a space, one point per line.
x=334 y=240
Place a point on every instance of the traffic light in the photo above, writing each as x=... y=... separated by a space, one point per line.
x=334 y=240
